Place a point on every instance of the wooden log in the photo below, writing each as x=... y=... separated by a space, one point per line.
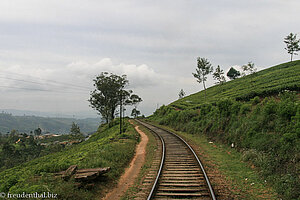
x=69 y=172
x=90 y=174
x=99 y=170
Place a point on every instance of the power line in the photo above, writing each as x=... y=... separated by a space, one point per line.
x=41 y=90
x=51 y=81
x=26 y=81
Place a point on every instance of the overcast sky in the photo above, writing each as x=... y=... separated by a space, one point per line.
x=50 y=50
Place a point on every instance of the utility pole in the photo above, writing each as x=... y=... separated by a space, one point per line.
x=121 y=111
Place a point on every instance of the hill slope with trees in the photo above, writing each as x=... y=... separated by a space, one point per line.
x=259 y=115
x=263 y=83
x=105 y=148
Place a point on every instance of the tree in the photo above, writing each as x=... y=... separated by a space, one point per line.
x=292 y=44
x=203 y=69
x=219 y=75
x=75 y=129
x=134 y=100
x=135 y=113
x=181 y=94
x=233 y=73
x=8 y=149
x=249 y=68
x=110 y=93
x=14 y=132
x=38 y=131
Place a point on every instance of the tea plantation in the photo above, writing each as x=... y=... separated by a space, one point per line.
x=258 y=114
x=263 y=83
x=106 y=148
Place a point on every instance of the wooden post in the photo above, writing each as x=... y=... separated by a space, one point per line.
x=121 y=112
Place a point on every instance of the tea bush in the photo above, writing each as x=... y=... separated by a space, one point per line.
x=267 y=132
x=105 y=148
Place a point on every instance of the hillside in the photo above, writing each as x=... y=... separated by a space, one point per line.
x=26 y=124
x=258 y=115
x=105 y=148
x=270 y=81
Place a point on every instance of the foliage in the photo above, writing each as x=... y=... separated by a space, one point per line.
x=19 y=148
x=292 y=44
x=249 y=68
x=75 y=129
x=181 y=94
x=233 y=73
x=219 y=75
x=135 y=113
x=203 y=69
x=134 y=100
x=271 y=81
x=38 y=131
x=109 y=93
x=269 y=128
x=105 y=148
x=15 y=150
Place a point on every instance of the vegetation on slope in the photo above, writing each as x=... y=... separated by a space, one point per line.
x=263 y=83
x=266 y=129
x=106 y=148
x=17 y=149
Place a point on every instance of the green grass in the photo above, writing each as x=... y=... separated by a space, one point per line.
x=106 y=148
x=263 y=83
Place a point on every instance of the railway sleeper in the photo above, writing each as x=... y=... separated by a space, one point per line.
x=185 y=195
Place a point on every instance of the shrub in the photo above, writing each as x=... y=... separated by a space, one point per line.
x=245 y=108
x=255 y=100
x=287 y=109
x=224 y=107
x=269 y=136
x=270 y=107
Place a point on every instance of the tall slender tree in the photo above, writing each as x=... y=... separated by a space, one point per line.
x=292 y=44
x=181 y=94
x=203 y=69
x=75 y=129
x=250 y=68
x=218 y=75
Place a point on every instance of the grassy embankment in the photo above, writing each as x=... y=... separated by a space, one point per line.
x=106 y=148
x=259 y=114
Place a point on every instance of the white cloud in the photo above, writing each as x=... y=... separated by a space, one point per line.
x=138 y=75
x=155 y=43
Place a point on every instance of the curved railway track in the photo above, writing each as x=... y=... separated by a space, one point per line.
x=181 y=174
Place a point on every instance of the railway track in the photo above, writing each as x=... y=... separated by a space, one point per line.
x=181 y=174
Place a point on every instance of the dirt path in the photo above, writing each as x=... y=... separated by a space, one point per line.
x=131 y=173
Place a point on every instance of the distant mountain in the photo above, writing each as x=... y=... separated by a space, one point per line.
x=27 y=124
x=77 y=115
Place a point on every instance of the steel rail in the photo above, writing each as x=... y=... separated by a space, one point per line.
x=161 y=162
x=212 y=193
x=213 y=196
